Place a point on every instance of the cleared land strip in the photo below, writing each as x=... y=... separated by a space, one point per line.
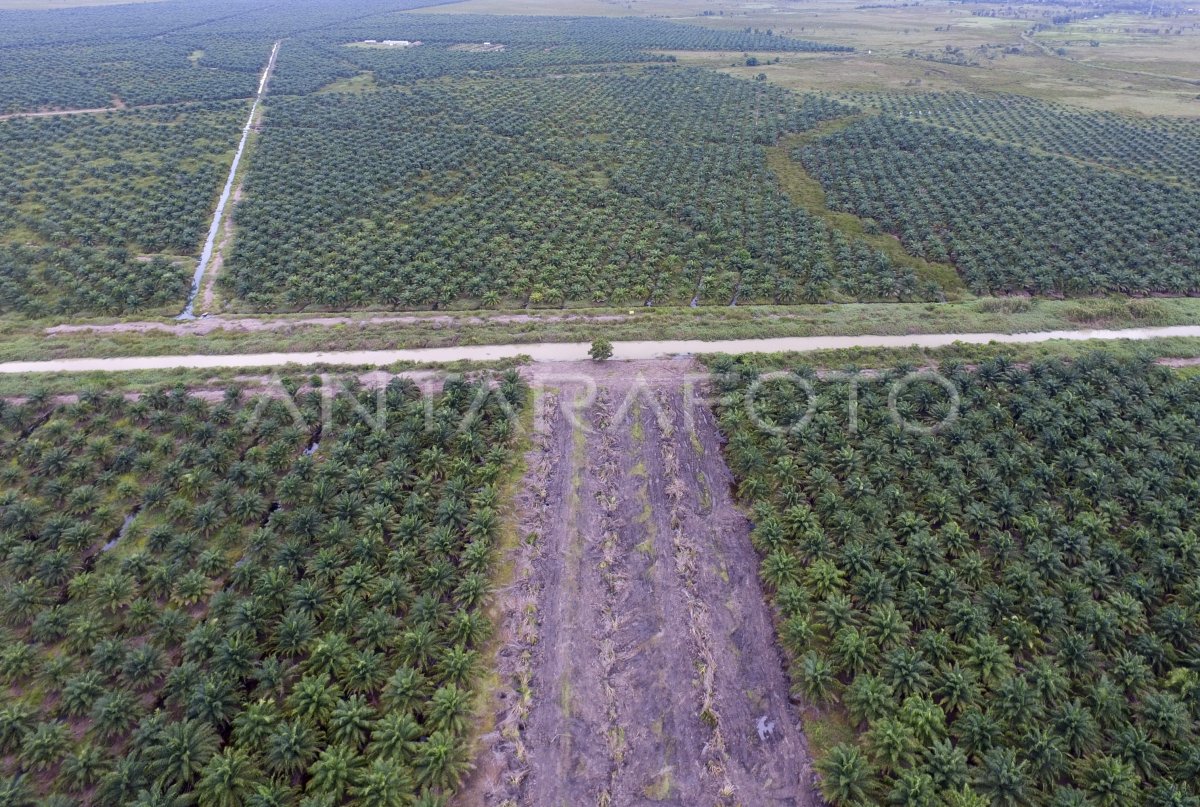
x=646 y=669
x=53 y=113
x=577 y=351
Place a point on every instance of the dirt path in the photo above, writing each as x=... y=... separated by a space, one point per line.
x=555 y=352
x=118 y=106
x=641 y=654
x=58 y=112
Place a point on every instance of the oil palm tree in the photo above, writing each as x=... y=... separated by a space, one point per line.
x=180 y=752
x=228 y=779
x=383 y=784
x=1003 y=779
x=868 y=698
x=1110 y=781
x=441 y=761
x=83 y=768
x=891 y=744
x=351 y=722
x=44 y=746
x=815 y=679
x=847 y=778
x=290 y=747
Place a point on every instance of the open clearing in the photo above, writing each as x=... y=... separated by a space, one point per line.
x=640 y=664
x=903 y=47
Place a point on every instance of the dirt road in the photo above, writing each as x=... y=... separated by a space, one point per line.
x=640 y=661
x=576 y=351
x=118 y=106
x=54 y=113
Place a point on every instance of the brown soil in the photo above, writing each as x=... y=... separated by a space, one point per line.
x=640 y=665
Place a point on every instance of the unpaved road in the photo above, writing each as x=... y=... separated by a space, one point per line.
x=99 y=110
x=577 y=351
x=117 y=106
x=640 y=664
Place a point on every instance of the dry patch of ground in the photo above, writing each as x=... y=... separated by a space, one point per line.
x=640 y=663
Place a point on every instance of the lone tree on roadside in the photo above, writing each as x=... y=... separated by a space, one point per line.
x=601 y=350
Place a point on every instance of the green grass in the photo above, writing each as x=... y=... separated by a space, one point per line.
x=508 y=542
x=871 y=358
x=363 y=82
x=825 y=729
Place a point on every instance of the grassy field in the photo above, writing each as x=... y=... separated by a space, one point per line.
x=24 y=340
x=363 y=82
x=1183 y=349
x=1145 y=73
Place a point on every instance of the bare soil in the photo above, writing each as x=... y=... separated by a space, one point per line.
x=640 y=665
x=49 y=113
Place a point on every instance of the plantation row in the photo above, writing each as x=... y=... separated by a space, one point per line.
x=608 y=188
x=84 y=196
x=1165 y=148
x=199 y=609
x=1006 y=609
x=1010 y=220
